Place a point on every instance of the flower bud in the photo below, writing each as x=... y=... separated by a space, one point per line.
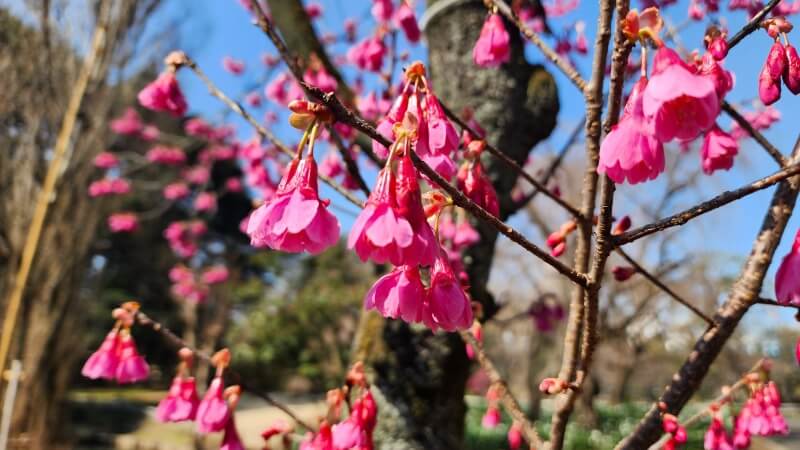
x=623 y=273
x=791 y=72
x=768 y=90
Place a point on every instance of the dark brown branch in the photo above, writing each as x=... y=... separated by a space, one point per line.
x=562 y=64
x=658 y=283
x=346 y=115
x=709 y=205
x=755 y=134
x=516 y=167
x=178 y=343
x=770 y=302
x=509 y=401
x=753 y=24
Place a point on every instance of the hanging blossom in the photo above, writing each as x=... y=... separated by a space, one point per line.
x=677 y=432
x=717 y=437
x=295 y=219
x=491 y=418
x=474 y=182
x=181 y=402
x=164 y=94
x=418 y=113
x=168 y=156
x=117 y=358
x=782 y=64
x=213 y=412
x=105 y=160
x=109 y=186
x=123 y=222
x=761 y=414
x=787 y=279
x=128 y=124
x=546 y=312
x=492 y=47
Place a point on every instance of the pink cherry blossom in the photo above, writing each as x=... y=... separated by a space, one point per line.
x=198 y=127
x=448 y=306
x=719 y=149
x=233 y=66
x=787 y=279
x=213 y=412
x=176 y=191
x=105 y=160
x=629 y=152
x=321 y=79
x=149 y=133
x=234 y=184
x=331 y=165
x=492 y=47
x=474 y=183
x=424 y=246
x=168 y=156
x=404 y=19
x=368 y=54
x=379 y=233
x=128 y=124
x=109 y=186
x=231 y=439
x=323 y=440
x=514 y=436
x=382 y=10
x=103 y=362
x=491 y=418
x=253 y=99
x=181 y=401
x=713 y=69
x=180 y=273
x=215 y=274
x=197 y=175
x=131 y=366
x=295 y=219
x=123 y=222
x=761 y=414
x=716 y=437
x=398 y=294
x=205 y=202
x=164 y=95
x=678 y=103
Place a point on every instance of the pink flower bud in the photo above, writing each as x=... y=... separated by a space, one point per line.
x=776 y=61
x=623 y=273
x=791 y=72
x=768 y=90
x=718 y=48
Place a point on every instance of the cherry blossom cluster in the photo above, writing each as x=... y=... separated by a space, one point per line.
x=492 y=417
x=783 y=63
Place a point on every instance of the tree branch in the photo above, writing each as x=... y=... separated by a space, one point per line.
x=658 y=283
x=753 y=24
x=707 y=206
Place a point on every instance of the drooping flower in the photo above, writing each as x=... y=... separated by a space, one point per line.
x=379 y=233
x=233 y=66
x=629 y=152
x=128 y=124
x=398 y=294
x=491 y=418
x=474 y=183
x=382 y=10
x=678 y=103
x=761 y=414
x=514 y=436
x=176 y=191
x=231 y=439
x=205 y=202
x=181 y=402
x=404 y=19
x=105 y=160
x=676 y=431
x=368 y=54
x=716 y=437
x=131 y=366
x=295 y=219
x=322 y=440
x=103 y=362
x=719 y=149
x=492 y=47
x=213 y=412
x=355 y=432
x=169 y=156
x=215 y=274
x=123 y=222
x=448 y=306
x=787 y=279
x=164 y=95
x=424 y=246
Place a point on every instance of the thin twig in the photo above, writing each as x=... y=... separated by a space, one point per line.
x=658 y=283
x=349 y=162
x=562 y=64
x=513 y=164
x=174 y=340
x=506 y=397
x=263 y=132
x=709 y=205
x=753 y=24
x=770 y=302
x=755 y=134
